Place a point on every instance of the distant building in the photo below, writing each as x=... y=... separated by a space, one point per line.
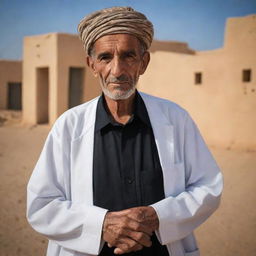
x=217 y=87
x=55 y=77
x=10 y=84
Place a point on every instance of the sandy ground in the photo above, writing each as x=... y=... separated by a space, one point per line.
x=231 y=231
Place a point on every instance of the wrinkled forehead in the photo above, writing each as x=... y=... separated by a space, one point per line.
x=117 y=42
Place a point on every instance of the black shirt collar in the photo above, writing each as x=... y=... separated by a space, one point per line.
x=103 y=118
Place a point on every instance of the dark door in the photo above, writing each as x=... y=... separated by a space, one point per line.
x=42 y=95
x=76 y=78
x=14 y=96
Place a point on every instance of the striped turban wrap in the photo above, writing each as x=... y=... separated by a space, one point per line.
x=115 y=20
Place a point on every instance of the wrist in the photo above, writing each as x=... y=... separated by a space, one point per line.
x=154 y=218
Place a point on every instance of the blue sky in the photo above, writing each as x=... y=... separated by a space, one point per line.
x=200 y=23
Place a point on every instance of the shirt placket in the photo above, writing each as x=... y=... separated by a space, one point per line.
x=128 y=170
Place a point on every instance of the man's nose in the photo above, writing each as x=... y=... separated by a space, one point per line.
x=117 y=67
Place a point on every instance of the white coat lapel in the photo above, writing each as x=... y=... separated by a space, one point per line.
x=82 y=156
x=164 y=137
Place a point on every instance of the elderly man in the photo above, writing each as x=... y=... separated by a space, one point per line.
x=126 y=173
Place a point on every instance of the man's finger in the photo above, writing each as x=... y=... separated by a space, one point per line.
x=136 y=226
x=127 y=245
x=145 y=215
x=140 y=237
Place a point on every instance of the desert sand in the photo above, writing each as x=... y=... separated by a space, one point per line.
x=230 y=231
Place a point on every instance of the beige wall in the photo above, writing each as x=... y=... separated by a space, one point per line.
x=223 y=106
x=57 y=53
x=38 y=52
x=10 y=72
x=71 y=54
x=171 y=46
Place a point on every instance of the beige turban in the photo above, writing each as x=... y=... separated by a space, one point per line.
x=115 y=20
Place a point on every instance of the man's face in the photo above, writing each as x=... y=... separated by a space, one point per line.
x=118 y=60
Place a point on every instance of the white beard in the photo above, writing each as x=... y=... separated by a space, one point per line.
x=118 y=94
x=121 y=95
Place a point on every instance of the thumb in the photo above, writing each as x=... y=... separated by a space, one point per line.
x=118 y=251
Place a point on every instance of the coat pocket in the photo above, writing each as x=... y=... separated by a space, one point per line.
x=66 y=252
x=190 y=246
x=194 y=253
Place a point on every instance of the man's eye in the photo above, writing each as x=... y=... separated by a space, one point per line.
x=129 y=55
x=104 y=58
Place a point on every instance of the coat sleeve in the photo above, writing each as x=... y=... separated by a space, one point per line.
x=179 y=215
x=50 y=210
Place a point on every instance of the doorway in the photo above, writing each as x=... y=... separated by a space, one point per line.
x=14 y=96
x=76 y=80
x=42 y=80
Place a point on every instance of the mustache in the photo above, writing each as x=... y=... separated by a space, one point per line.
x=119 y=79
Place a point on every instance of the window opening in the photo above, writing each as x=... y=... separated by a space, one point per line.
x=14 y=96
x=198 y=78
x=247 y=75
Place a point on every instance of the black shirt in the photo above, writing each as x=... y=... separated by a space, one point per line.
x=126 y=167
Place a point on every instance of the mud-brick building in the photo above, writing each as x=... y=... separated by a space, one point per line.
x=54 y=76
x=217 y=87
x=10 y=85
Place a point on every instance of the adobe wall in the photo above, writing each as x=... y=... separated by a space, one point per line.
x=38 y=52
x=223 y=106
x=170 y=46
x=10 y=72
x=240 y=33
x=71 y=54
x=52 y=55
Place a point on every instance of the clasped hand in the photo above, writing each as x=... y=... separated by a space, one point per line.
x=130 y=230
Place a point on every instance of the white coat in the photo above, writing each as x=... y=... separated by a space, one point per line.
x=60 y=197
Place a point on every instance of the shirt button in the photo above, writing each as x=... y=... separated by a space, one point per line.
x=130 y=181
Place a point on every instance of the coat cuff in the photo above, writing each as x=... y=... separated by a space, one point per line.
x=163 y=232
x=158 y=232
x=92 y=231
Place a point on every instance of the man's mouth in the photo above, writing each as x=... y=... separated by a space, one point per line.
x=118 y=83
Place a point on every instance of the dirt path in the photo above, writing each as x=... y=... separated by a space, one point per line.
x=230 y=231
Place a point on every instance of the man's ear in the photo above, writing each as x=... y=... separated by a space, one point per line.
x=145 y=61
x=90 y=64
